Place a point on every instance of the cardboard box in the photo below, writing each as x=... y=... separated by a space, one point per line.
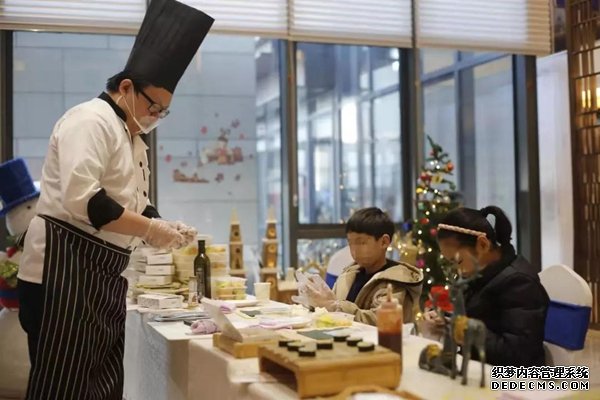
x=159 y=259
x=155 y=280
x=160 y=269
x=160 y=301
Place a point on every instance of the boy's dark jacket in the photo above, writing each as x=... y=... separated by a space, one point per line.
x=512 y=303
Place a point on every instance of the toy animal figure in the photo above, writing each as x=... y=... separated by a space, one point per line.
x=436 y=359
x=464 y=331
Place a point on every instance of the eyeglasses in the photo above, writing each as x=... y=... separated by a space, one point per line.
x=154 y=107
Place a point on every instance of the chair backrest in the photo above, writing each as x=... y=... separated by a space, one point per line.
x=565 y=285
x=338 y=261
x=568 y=316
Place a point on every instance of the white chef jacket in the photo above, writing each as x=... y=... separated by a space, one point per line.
x=90 y=149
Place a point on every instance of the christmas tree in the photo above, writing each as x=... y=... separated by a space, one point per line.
x=435 y=196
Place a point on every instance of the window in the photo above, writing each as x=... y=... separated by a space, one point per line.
x=440 y=120
x=52 y=73
x=435 y=59
x=348 y=131
x=469 y=111
x=494 y=137
x=219 y=149
x=317 y=252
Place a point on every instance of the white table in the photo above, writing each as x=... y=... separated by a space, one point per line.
x=424 y=384
x=216 y=375
x=163 y=362
x=156 y=358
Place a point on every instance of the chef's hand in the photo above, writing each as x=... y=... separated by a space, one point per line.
x=189 y=233
x=161 y=235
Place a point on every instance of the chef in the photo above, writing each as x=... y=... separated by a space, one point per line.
x=94 y=210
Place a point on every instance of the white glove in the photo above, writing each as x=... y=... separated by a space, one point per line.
x=161 y=235
x=189 y=233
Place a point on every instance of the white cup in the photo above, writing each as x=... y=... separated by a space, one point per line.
x=262 y=291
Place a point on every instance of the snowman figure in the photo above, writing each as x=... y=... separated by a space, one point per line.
x=19 y=196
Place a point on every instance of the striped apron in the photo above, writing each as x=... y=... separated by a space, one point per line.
x=81 y=341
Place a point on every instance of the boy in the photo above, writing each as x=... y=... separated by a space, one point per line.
x=362 y=286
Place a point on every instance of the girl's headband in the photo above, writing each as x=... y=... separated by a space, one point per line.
x=461 y=230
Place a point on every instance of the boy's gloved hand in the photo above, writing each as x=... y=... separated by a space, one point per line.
x=320 y=295
x=314 y=292
x=302 y=297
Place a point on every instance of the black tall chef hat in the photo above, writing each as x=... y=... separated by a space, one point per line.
x=170 y=35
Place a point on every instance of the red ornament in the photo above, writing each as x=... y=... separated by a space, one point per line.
x=420 y=263
x=433 y=232
x=450 y=166
x=424 y=221
x=168 y=158
x=10 y=251
x=425 y=177
x=440 y=293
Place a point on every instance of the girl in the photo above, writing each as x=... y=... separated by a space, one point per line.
x=507 y=296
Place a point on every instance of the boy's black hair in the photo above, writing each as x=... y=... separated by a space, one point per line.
x=371 y=221
x=139 y=82
x=476 y=220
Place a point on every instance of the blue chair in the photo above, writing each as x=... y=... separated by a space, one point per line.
x=568 y=315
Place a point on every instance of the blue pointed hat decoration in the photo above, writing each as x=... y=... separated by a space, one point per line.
x=16 y=185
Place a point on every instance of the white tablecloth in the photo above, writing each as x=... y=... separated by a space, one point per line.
x=424 y=384
x=212 y=372
x=163 y=362
x=156 y=359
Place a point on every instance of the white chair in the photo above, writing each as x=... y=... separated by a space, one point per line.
x=338 y=261
x=564 y=285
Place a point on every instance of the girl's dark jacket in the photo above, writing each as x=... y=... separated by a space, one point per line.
x=512 y=303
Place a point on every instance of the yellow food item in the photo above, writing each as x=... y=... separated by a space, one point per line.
x=329 y=321
x=224 y=291
x=215 y=249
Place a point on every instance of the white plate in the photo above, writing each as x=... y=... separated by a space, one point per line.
x=249 y=301
x=279 y=323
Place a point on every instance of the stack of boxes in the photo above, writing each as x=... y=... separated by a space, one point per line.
x=159 y=269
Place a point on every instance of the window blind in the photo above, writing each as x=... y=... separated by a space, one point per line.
x=511 y=26
x=381 y=22
x=114 y=16
x=257 y=17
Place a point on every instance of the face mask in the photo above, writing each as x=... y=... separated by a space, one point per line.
x=146 y=123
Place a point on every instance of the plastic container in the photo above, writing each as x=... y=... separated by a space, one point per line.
x=219 y=259
x=228 y=288
x=230 y=281
x=389 y=323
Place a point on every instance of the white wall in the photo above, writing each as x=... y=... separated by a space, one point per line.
x=555 y=160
